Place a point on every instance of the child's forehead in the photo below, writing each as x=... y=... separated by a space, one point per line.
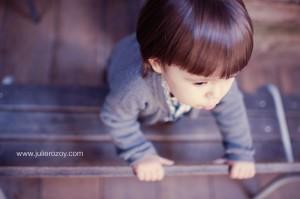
x=193 y=77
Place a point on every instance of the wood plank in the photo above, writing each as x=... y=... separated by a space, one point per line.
x=81 y=154
x=93 y=96
x=75 y=188
x=114 y=27
x=118 y=28
x=25 y=188
x=290 y=190
x=75 y=60
x=76 y=99
x=225 y=188
x=134 y=188
x=264 y=180
x=88 y=126
x=290 y=75
x=125 y=171
x=29 y=46
x=296 y=148
x=262 y=73
x=96 y=153
x=275 y=46
x=191 y=187
x=133 y=8
x=52 y=96
x=294 y=125
x=3 y=11
x=100 y=153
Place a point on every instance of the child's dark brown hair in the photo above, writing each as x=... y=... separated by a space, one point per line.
x=199 y=36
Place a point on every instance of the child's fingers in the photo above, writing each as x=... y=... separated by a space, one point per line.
x=140 y=175
x=148 y=176
x=165 y=161
x=235 y=172
x=242 y=173
x=160 y=173
x=220 y=161
x=250 y=173
x=157 y=175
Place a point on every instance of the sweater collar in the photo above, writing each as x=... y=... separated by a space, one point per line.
x=155 y=82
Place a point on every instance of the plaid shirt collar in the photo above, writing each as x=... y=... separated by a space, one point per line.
x=176 y=109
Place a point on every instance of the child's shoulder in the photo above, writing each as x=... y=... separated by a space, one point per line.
x=125 y=52
x=125 y=59
x=124 y=69
x=134 y=91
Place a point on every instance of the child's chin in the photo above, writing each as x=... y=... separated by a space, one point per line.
x=207 y=108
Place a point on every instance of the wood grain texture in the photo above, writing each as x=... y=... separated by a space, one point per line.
x=264 y=180
x=75 y=188
x=276 y=45
x=225 y=188
x=127 y=188
x=28 y=46
x=75 y=58
x=27 y=188
x=71 y=45
x=73 y=41
x=193 y=187
x=2 y=49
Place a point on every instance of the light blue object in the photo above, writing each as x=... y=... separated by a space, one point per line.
x=284 y=131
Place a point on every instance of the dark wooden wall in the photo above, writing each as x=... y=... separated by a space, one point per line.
x=277 y=46
x=72 y=42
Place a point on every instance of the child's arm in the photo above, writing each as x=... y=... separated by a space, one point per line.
x=119 y=113
x=233 y=123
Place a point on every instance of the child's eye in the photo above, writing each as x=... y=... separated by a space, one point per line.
x=199 y=83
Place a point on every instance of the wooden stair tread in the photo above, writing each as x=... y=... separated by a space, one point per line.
x=87 y=126
x=104 y=154
x=84 y=96
x=47 y=118
x=125 y=171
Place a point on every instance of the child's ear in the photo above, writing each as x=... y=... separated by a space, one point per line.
x=156 y=65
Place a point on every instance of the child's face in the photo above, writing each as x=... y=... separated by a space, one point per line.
x=197 y=91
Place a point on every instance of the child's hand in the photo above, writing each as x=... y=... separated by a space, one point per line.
x=239 y=169
x=242 y=170
x=150 y=168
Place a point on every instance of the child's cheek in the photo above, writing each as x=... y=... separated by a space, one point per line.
x=225 y=87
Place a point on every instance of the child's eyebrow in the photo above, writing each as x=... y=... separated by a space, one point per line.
x=204 y=79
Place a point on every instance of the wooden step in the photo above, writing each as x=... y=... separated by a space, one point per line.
x=38 y=118
x=125 y=171
x=73 y=114
x=103 y=154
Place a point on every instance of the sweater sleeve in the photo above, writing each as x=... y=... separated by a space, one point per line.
x=231 y=117
x=120 y=117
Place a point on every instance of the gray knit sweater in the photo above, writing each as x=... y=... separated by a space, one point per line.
x=133 y=99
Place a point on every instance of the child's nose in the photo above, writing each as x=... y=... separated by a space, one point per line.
x=213 y=92
x=209 y=95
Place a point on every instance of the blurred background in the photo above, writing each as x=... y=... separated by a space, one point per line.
x=69 y=41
